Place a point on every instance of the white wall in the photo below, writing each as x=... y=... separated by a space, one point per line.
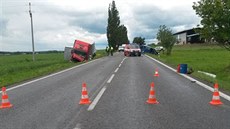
x=181 y=38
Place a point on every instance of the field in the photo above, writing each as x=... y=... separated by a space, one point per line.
x=208 y=58
x=18 y=68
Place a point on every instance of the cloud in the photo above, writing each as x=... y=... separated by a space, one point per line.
x=145 y=22
x=92 y=22
x=3 y=24
x=58 y=23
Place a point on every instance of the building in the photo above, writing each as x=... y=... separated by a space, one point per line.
x=188 y=37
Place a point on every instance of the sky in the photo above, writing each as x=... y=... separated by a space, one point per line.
x=57 y=23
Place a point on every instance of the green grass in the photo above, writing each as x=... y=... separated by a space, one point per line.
x=100 y=53
x=18 y=68
x=208 y=58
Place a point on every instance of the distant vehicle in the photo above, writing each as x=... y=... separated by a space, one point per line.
x=83 y=50
x=121 y=48
x=159 y=48
x=147 y=49
x=132 y=50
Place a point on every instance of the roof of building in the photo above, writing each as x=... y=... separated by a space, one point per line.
x=184 y=31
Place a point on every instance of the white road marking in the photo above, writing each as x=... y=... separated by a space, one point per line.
x=162 y=63
x=116 y=70
x=111 y=78
x=123 y=60
x=225 y=96
x=95 y=101
x=48 y=76
x=78 y=126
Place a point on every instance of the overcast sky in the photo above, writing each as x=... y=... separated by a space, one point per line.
x=58 y=22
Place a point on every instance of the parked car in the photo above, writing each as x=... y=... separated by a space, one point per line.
x=132 y=50
x=147 y=49
x=160 y=48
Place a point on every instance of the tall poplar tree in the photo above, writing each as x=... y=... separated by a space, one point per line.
x=116 y=33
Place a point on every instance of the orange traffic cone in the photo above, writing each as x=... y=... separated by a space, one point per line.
x=156 y=73
x=152 y=97
x=84 y=96
x=216 y=96
x=5 y=101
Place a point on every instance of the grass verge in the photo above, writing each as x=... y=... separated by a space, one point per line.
x=18 y=68
x=208 y=58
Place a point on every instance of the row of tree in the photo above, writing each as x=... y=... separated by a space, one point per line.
x=116 y=33
x=139 y=40
x=215 y=25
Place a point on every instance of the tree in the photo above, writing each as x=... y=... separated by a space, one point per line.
x=139 y=40
x=122 y=35
x=165 y=36
x=215 y=20
x=116 y=33
x=113 y=24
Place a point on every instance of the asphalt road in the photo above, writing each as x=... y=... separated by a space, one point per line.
x=121 y=86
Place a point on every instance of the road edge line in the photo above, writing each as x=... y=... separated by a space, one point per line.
x=223 y=95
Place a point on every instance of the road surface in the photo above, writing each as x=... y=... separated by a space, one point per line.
x=118 y=88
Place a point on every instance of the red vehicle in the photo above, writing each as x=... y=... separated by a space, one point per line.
x=132 y=50
x=83 y=50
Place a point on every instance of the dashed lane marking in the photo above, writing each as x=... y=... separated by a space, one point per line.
x=95 y=101
x=116 y=70
x=111 y=78
x=78 y=126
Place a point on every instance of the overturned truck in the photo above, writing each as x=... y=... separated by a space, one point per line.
x=81 y=51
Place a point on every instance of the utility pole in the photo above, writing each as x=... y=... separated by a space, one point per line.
x=32 y=31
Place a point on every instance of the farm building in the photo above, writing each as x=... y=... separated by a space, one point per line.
x=188 y=37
